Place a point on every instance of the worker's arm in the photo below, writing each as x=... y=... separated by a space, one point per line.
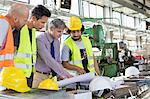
x=45 y=55
x=96 y=66
x=3 y=32
x=73 y=67
x=65 y=60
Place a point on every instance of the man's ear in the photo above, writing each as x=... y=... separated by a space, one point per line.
x=33 y=18
x=51 y=28
x=15 y=19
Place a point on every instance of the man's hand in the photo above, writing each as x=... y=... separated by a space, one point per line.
x=60 y=78
x=69 y=66
x=68 y=75
x=80 y=70
x=65 y=75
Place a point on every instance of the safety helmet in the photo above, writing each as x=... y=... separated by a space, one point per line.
x=99 y=84
x=14 y=78
x=49 y=84
x=132 y=72
x=75 y=23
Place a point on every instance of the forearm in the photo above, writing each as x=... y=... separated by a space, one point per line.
x=69 y=66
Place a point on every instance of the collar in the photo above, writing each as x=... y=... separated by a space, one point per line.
x=49 y=37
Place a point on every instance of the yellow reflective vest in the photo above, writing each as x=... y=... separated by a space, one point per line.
x=25 y=56
x=76 y=55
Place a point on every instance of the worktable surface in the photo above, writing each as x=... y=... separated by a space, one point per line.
x=34 y=94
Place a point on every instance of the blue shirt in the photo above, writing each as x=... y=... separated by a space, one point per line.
x=45 y=62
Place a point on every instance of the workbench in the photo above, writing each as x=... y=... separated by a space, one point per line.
x=45 y=94
x=34 y=94
x=133 y=85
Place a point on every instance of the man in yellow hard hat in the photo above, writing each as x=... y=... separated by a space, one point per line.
x=77 y=56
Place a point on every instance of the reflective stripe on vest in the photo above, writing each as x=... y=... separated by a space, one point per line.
x=25 y=66
x=76 y=62
x=6 y=57
x=23 y=55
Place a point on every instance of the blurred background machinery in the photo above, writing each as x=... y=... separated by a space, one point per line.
x=108 y=52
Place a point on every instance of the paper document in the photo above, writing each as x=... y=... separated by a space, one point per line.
x=79 y=78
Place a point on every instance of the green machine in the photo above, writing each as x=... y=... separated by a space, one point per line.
x=108 y=59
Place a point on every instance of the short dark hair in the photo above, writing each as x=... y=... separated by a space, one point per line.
x=40 y=11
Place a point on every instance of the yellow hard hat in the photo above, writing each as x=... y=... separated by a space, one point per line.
x=14 y=78
x=49 y=84
x=75 y=23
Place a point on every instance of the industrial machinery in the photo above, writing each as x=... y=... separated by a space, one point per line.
x=125 y=56
x=108 y=59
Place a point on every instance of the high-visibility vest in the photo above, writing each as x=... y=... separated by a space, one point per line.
x=25 y=56
x=76 y=55
x=7 y=53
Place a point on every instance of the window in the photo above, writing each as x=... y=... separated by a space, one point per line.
x=36 y=2
x=137 y=22
x=92 y=11
x=99 y=12
x=117 y=17
x=52 y=4
x=66 y=4
x=86 y=9
x=26 y=1
x=75 y=7
x=130 y=22
x=143 y=25
x=124 y=20
x=107 y=14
